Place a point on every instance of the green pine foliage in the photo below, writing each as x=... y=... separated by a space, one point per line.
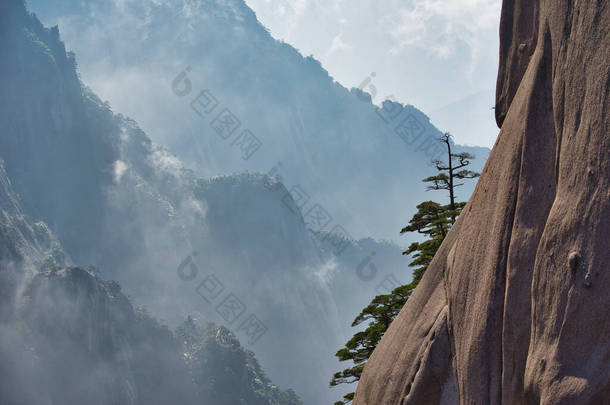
x=432 y=220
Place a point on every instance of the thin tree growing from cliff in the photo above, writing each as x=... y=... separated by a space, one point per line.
x=451 y=172
x=433 y=220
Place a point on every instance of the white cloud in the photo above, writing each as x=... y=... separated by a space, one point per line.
x=193 y=209
x=165 y=162
x=438 y=25
x=337 y=44
x=119 y=168
x=325 y=272
x=298 y=5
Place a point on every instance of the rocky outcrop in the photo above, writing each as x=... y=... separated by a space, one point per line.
x=514 y=308
x=25 y=245
x=79 y=326
x=76 y=339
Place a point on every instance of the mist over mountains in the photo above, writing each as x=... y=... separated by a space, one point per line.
x=330 y=141
x=280 y=254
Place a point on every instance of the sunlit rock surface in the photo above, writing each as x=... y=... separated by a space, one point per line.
x=514 y=308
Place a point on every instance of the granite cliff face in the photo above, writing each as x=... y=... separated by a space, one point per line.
x=514 y=308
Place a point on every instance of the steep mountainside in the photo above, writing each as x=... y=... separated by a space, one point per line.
x=67 y=336
x=76 y=339
x=514 y=307
x=25 y=246
x=119 y=202
x=153 y=60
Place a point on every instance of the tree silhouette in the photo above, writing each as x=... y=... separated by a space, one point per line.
x=433 y=220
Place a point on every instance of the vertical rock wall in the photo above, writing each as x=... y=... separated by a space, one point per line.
x=514 y=308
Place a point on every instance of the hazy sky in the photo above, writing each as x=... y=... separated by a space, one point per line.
x=439 y=55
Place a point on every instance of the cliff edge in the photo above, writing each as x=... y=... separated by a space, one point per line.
x=514 y=308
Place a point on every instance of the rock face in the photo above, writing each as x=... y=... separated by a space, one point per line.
x=85 y=329
x=514 y=308
x=24 y=246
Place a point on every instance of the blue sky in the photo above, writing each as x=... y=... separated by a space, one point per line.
x=439 y=55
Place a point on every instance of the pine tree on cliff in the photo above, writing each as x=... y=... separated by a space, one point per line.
x=455 y=171
x=432 y=220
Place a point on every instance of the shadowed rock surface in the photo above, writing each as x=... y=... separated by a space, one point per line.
x=514 y=308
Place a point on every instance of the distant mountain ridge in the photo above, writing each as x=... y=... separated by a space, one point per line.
x=320 y=134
